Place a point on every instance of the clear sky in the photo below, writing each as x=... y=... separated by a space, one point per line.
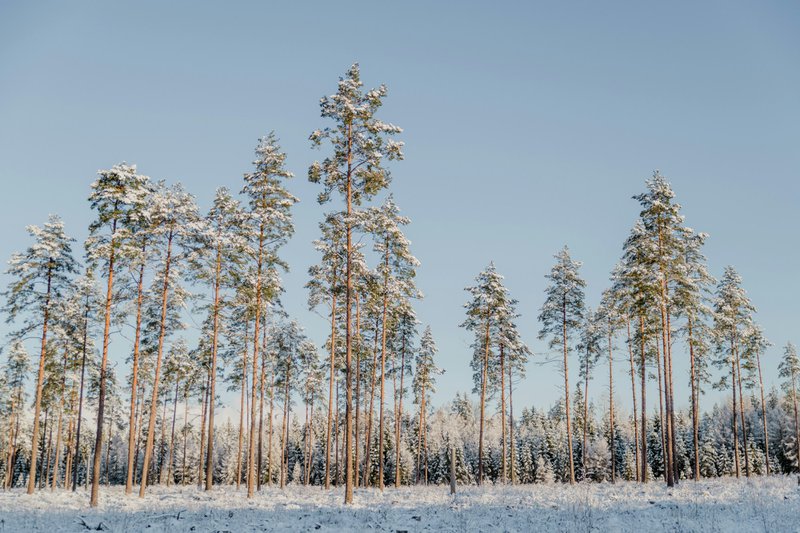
x=528 y=125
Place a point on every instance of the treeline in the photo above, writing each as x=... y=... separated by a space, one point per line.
x=356 y=411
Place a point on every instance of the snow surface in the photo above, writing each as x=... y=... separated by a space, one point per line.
x=762 y=504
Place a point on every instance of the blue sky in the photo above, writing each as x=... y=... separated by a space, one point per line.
x=528 y=126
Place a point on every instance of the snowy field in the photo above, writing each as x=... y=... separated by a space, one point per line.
x=721 y=505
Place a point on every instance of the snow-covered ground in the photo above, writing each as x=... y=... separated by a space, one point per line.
x=771 y=505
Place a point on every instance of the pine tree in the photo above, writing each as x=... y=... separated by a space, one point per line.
x=396 y=271
x=732 y=314
x=270 y=227
x=14 y=375
x=560 y=315
x=424 y=385
x=221 y=246
x=690 y=301
x=489 y=299
x=360 y=143
x=116 y=195
x=756 y=344
x=177 y=225
x=40 y=277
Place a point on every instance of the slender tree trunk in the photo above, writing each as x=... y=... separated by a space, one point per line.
x=148 y=450
x=796 y=420
x=503 y=411
x=567 y=405
x=285 y=428
x=251 y=457
x=57 y=459
x=40 y=383
x=398 y=438
x=271 y=415
x=611 y=405
x=643 y=369
x=484 y=379
x=661 y=393
x=368 y=437
x=763 y=410
x=172 y=433
x=348 y=414
x=585 y=415
x=735 y=428
x=331 y=384
x=241 y=412
x=101 y=397
x=186 y=436
x=511 y=439
x=134 y=378
x=741 y=413
x=213 y=373
x=421 y=430
x=263 y=375
x=358 y=388
x=383 y=365
x=205 y=403
x=45 y=463
x=108 y=446
x=695 y=410
x=633 y=394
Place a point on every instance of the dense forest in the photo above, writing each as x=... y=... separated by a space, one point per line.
x=357 y=411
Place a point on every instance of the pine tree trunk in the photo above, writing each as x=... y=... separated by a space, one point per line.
x=383 y=365
x=763 y=410
x=612 y=447
x=637 y=455
x=735 y=428
x=398 y=438
x=331 y=384
x=484 y=379
x=148 y=450
x=511 y=440
x=213 y=372
x=186 y=437
x=503 y=411
x=242 y=411
x=57 y=459
x=101 y=398
x=263 y=375
x=643 y=457
x=662 y=431
x=585 y=416
x=796 y=419
x=285 y=428
x=695 y=409
x=368 y=437
x=205 y=405
x=271 y=415
x=348 y=414
x=39 y=385
x=254 y=392
x=171 y=460
x=358 y=389
x=741 y=414
x=567 y=406
x=135 y=378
